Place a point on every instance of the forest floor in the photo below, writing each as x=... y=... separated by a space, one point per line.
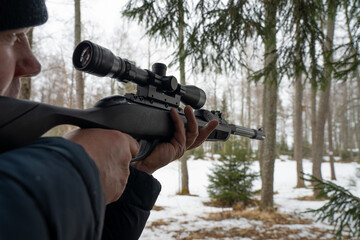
x=186 y=217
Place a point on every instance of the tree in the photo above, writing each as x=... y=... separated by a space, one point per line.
x=304 y=16
x=342 y=210
x=231 y=180
x=249 y=108
x=80 y=82
x=298 y=70
x=219 y=39
x=271 y=86
x=212 y=102
x=166 y=20
x=348 y=64
x=330 y=142
x=318 y=145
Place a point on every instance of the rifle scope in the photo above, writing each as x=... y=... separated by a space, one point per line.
x=94 y=59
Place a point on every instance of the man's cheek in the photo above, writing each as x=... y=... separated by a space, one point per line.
x=14 y=88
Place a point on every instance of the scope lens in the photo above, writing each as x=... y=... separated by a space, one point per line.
x=85 y=57
x=94 y=59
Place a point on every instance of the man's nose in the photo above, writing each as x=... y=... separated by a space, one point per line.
x=27 y=66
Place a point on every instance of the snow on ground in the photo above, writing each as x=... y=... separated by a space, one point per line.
x=182 y=214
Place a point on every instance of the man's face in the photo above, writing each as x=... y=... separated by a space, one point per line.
x=16 y=61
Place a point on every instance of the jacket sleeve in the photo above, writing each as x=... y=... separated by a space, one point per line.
x=126 y=218
x=50 y=190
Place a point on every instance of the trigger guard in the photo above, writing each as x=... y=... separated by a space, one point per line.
x=146 y=147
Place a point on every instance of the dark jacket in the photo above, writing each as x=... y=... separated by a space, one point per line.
x=51 y=190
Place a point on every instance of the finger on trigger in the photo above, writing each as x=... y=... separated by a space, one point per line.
x=134 y=146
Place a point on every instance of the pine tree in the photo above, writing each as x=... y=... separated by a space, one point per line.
x=231 y=180
x=220 y=35
x=342 y=210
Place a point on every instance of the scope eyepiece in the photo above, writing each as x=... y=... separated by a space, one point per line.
x=94 y=59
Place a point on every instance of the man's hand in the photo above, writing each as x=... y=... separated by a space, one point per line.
x=183 y=140
x=111 y=151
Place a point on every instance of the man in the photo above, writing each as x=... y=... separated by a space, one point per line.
x=80 y=186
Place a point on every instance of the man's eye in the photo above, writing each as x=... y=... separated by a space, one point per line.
x=13 y=37
x=19 y=37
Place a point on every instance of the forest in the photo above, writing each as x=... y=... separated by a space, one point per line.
x=289 y=67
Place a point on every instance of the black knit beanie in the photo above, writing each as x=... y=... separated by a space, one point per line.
x=16 y=14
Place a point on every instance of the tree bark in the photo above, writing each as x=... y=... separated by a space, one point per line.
x=298 y=123
x=248 y=98
x=80 y=83
x=262 y=143
x=184 y=177
x=313 y=118
x=298 y=136
x=357 y=75
x=331 y=145
x=314 y=87
x=344 y=123
x=270 y=107
x=325 y=93
x=184 y=168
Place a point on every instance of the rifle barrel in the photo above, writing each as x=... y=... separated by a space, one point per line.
x=247 y=132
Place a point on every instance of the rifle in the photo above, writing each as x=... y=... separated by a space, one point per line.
x=144 y=115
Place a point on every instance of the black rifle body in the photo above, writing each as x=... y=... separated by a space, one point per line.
x=24 y=121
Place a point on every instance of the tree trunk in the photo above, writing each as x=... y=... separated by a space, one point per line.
x=298 y=123
x=25 y=89
x=331 y=147
x=80 y=84
x=325 y=93
x=344 y=123
x=248 y=125
x=313 y=118
x=270 y=107
x=357 y=76
x=314 y=87
x=320 y=130
x=184 y=169
x=268 y=161
x=184 y=177
x=298 y=136
x=262 y=143
x=242 y=110
x=357 y=123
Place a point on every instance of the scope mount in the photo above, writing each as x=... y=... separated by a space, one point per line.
x=164 y=95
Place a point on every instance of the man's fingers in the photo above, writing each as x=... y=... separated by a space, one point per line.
x=179 y=127
x=134 y=146
x=204 y=133
x=192 y=127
